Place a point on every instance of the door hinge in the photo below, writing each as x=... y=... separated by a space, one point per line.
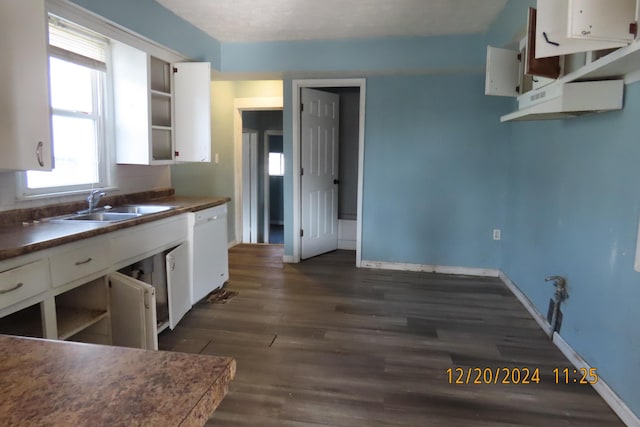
x=301 y=171
x=175 y=69
x=176 y=153
x=301 y=107
x=301 y=233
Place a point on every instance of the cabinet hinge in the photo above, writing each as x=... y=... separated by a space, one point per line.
x=175 y=69
x=633 y=29
x=517 y=89
x=519 y=57
x=301 y=107
x=176 y=153
x=301 y=233
x=301 y=171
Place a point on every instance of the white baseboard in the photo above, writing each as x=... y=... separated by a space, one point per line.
x=288 y=259
x=526 y=302
x=442 y=269
x=232 y=244
x=601 y=387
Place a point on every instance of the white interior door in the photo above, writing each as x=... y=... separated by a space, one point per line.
x=319 y=127
x=133 y=312
x=250 y=187
x=178 y=283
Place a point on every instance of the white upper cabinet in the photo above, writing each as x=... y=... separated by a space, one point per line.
x=25 y=130
x=192 y=107
x=570 y=26
x=503 y=72
x=162 y=110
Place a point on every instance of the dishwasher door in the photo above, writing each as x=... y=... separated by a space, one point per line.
x=210 y=251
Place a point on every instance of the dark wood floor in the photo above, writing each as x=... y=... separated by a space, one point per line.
x=322 y=343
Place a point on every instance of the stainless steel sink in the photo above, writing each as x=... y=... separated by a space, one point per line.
x=108 y=214
x=140 y=209
x=104 y=216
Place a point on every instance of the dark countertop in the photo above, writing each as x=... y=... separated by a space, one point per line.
x=62 y=383
x=21 y=239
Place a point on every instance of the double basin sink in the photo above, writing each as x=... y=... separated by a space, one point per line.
x=115 y=214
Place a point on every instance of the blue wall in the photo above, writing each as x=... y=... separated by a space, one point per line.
x=417 y=54
x=573 y=210
x=434 y=173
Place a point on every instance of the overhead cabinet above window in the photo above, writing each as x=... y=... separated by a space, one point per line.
x=25 y=123
x=162 y=110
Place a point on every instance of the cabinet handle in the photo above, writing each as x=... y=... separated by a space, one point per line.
x=17 y=286
x=86 y=261
x=39 y=148
x=546 y=38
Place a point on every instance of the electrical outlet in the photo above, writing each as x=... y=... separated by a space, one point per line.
x=216 y=158
x=497 y=234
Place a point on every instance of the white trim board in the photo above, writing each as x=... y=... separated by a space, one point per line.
x=295 y=111
x=441 y=269
x=601 y=387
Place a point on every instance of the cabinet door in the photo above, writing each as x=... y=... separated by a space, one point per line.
x=25 y=119
x=131 y=104
x=178 y=283
x=192 y=111
x=133 y=313
x=542 y=67
x=601 y=19
x=552 y=30
x=503 y=68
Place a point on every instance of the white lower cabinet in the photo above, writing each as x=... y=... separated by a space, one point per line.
x=133 y=307
x=149 y=296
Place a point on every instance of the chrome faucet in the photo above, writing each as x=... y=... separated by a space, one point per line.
x=94 y=198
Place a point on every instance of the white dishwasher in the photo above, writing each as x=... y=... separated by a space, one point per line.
x=209 y=251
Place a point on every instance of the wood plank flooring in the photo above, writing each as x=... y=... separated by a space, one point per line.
x=322 y=343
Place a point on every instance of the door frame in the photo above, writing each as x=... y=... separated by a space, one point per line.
x=297 y=206
x=240 y=105
x=267 y=181
x=249 y=175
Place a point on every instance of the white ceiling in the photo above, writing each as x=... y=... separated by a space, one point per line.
x=286 y=20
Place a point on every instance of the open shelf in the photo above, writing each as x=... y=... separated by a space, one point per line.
x=80 y=308
x=72 y=320
x=26 y=322
x=617 y=64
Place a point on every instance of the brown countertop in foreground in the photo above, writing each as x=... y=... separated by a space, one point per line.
x=61 y=383
x=21 y=239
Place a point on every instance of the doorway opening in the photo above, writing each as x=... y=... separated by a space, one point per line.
x=309 y=201
x=262 y=177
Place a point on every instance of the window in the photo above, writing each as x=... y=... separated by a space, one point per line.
x=276 y=164
x=77 y=79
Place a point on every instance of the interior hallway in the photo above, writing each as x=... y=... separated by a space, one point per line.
x=322 y=343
